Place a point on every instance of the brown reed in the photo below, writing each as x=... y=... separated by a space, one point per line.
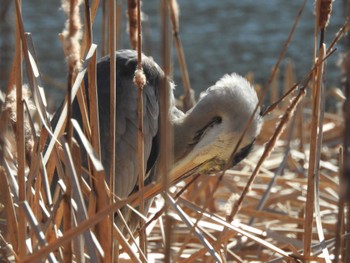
x=188 y=97
x=133 y=21
x=274 y=235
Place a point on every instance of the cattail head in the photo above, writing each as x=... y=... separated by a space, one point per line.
x=10 y=107
x=72 y=33
x=325 y=13
x=132 y=26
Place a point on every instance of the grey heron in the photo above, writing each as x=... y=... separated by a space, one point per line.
x=205 y=135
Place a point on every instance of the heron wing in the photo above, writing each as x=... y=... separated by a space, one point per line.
x=126 y=177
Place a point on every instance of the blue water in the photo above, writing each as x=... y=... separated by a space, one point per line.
x=218 y=37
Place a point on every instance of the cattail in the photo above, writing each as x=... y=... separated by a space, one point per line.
x=72 y=33
x=10 y=107
x=325 y=13
x=132 y=14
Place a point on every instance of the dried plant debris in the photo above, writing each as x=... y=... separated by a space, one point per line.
x=69 y=217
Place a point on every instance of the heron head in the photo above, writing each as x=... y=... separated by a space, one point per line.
x=207 y=135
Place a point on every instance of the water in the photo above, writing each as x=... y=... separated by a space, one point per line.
x=218 y=37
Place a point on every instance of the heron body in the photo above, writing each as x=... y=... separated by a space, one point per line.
x=204 y=137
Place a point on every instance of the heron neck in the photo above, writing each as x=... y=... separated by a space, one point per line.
x=185 y=129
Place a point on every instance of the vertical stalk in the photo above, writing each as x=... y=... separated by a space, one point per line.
x=20 y=136
x=188 y=100
x=140 y=81
x=315 y=133
x=165 y=127
x=112 y=88
x=112 y=116
x=104 y=26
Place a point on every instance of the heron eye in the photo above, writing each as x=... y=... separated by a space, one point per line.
x=200 y=133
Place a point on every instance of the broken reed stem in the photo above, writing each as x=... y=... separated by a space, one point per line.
x=22 y=224
x=188 y=100
x=310 y=197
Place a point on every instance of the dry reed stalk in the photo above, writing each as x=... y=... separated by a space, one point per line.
x=93 y=105
x=20 y=140
x=11 y=232
x=313 y=157
x=305 y=81
x=105 y=17
x=90 y=14
x=127 y=248
x=339 y=35
x=192 y=245
x=139 y=81
x=188 y=97
x=339 y=241
x=316 y=27
x=197 y=231
x=133 y=27
x=268 y=148
x=264 y=92
x=61 y=120
x=289 y=75
x=119 y=26
x=345 y=179
x=205 y=206
x=112 y=128
x=71 y=37
x=284 y=49
x=92 y=246
x=274 y=94
x=87 y=36
x=279 y=171
x=37 y=89
x=325 y=9
x=166 y=132
x=320 y=230
x=231 y=231
x=83 y=226
x=103 y=229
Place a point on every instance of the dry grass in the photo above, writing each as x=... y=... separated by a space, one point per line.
x=282 y=204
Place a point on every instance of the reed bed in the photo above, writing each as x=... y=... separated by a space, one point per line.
x=287 y=202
